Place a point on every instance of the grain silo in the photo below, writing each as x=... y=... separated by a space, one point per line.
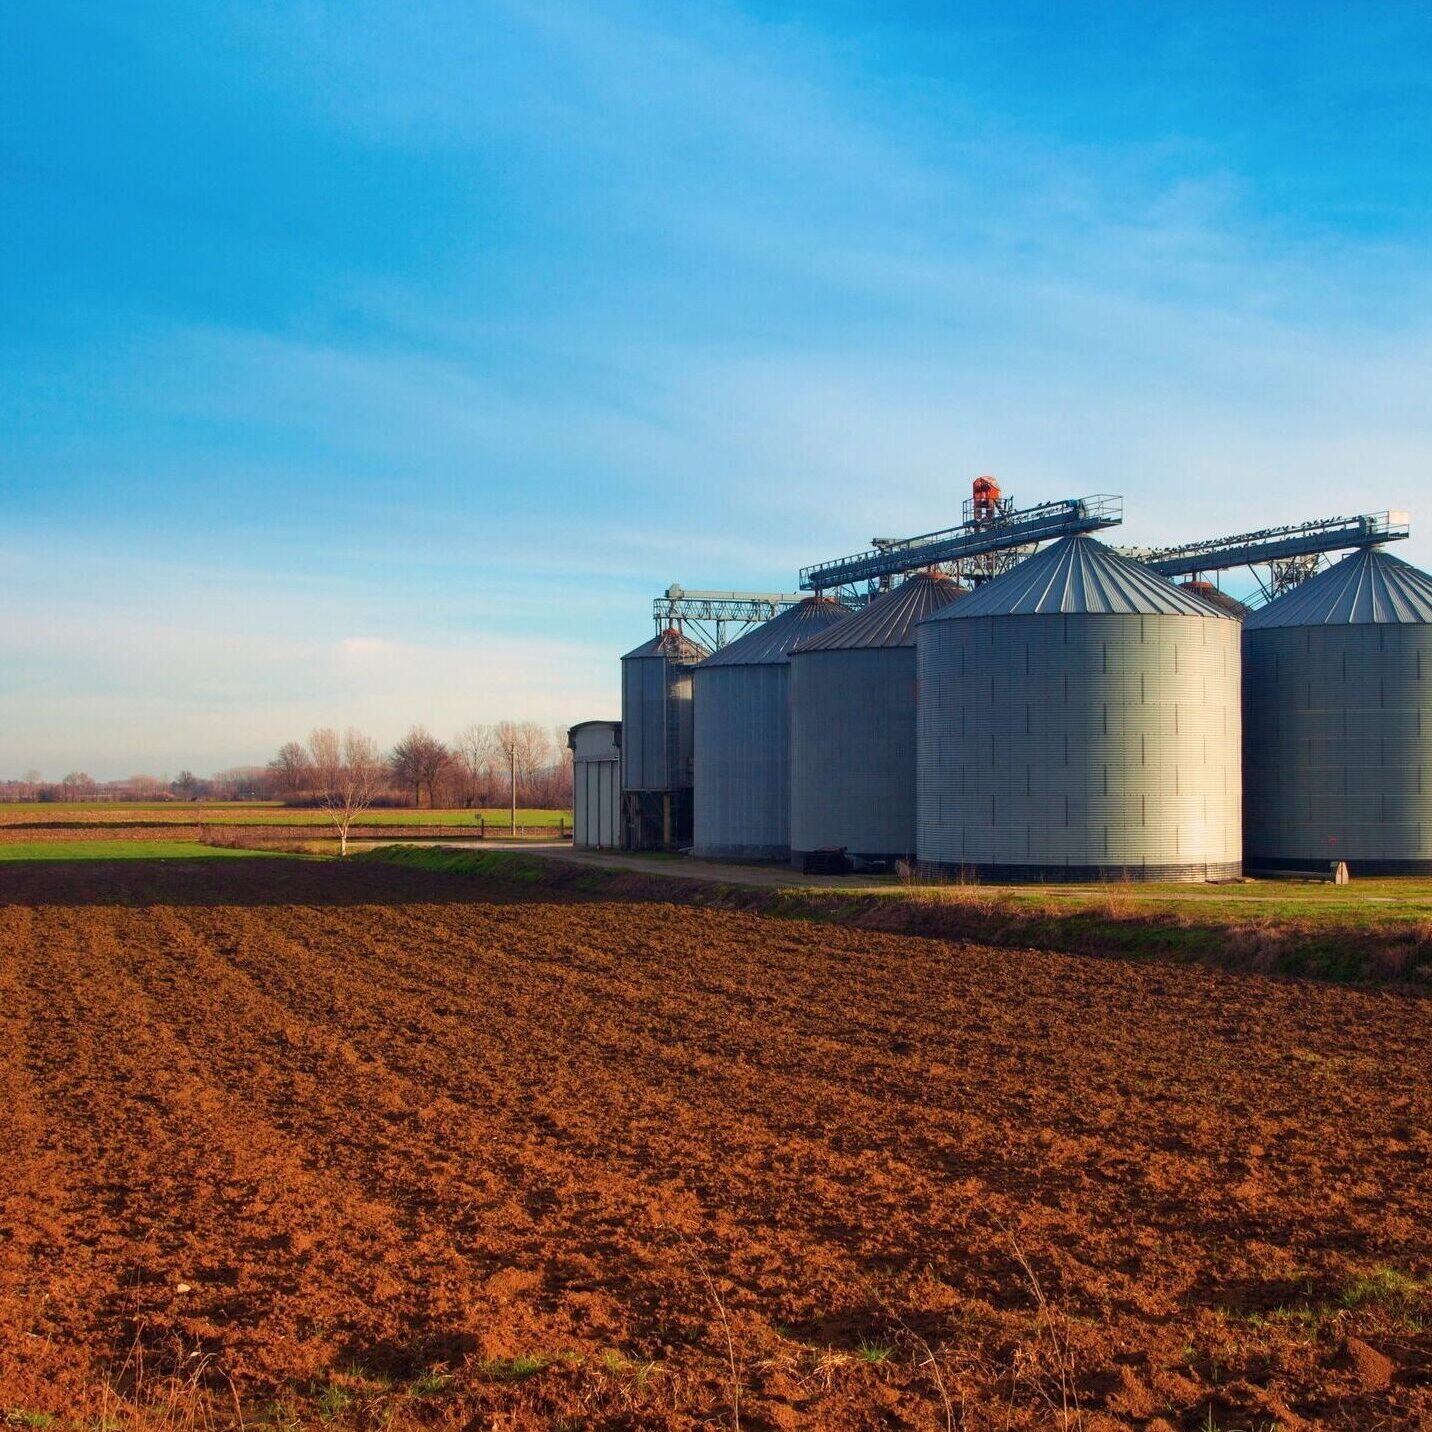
x=657 y=736
x=1337 y=688
x=743 y=787
x=853 y=727
x=1079 y=720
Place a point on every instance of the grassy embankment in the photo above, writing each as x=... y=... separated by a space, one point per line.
x=1370 y=930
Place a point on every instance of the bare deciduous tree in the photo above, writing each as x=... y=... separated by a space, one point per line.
x=534 y=749
x=528 y=754
x=77 y=785
x=508 y=738
x=348 y=775
x=420 y=760
x=239 y=783
x=292 y=769
x=561 y=793
x=187 y=786
x=476 y=752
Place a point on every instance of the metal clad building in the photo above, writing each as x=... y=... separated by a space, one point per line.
x=1337 y=686
x=1079 y=718
x=853 y=726
x=596 y=784
x=743 y=788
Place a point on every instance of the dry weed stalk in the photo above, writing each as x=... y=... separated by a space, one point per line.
x=971 y=896
x=931 y=1360
x=1118 y=897
x=725 y=1328
x=825 y=1363
x=167 y=1402
x=1067 y=1409
x=634 y=1385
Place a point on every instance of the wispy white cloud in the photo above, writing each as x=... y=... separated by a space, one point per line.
x=713 y=297
x=225 y=674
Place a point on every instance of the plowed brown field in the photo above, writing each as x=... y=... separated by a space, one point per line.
x=356 y=1142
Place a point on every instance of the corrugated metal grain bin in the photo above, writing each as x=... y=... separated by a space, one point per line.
x=656 y=712
x=657 y=742
x=596 y=784
x=853 y=727
x=743 y=787
x=1337 y=690
x=1079 y=719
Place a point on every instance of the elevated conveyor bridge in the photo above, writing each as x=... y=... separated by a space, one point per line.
x=706 y=616
x=1291 y=554
x=994 y=529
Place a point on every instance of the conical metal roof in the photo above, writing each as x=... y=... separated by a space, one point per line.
x=1078 y=574
x=1366 y=587
x=673 y=645
x=890 y=619
x=770 y=643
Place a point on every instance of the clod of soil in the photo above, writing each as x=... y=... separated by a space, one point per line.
x=1374 y=1371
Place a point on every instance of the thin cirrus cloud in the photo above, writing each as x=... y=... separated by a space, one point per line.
x=186 y=689
x=426 y=343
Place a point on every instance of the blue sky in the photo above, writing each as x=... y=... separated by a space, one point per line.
x=378 y=362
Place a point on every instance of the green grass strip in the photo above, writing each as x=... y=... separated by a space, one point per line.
x=56 y=850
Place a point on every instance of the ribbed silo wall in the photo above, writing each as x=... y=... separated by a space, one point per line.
x=1080 y=747
x=596 y=805
x=853 y=751
x=742 y=798
x=656 y=724
x=1338 y=747
x=681 y=727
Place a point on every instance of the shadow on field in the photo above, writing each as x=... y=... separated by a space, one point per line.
x=272 y=880
x=1392 y=953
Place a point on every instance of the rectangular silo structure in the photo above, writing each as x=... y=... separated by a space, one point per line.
x=596 y=784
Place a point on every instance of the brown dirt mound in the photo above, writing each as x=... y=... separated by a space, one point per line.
x=366 y=1143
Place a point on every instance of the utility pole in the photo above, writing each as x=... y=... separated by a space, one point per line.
x=512 y=772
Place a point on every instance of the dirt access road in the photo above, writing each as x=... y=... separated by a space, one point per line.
x=356 y=1141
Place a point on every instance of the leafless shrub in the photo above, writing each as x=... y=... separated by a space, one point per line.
x=348 y=776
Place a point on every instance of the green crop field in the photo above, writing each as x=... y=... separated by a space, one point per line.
x=138 y=805
x=250 y=813
x=121 y=850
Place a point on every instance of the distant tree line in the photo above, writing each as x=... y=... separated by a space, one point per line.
x=239 y=783
x=478 y=768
